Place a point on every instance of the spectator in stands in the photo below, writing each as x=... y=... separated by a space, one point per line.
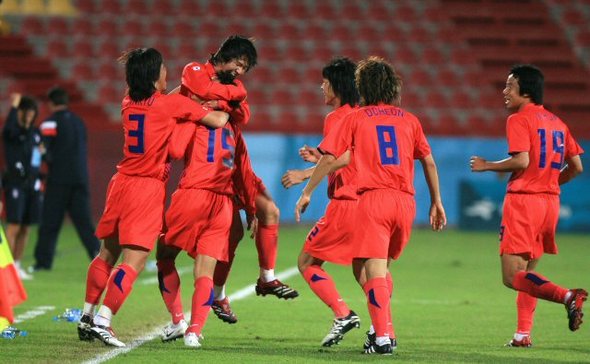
x=67 y=188
x=543 y=156
x=22 y=149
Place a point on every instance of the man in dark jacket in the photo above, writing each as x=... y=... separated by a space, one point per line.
x=22 y=185
x=67 y=187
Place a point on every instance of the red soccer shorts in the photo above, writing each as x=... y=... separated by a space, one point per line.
x=331 y=238
x=198 y=222
x=383 y=223
x=134 y=210
x=528 y=224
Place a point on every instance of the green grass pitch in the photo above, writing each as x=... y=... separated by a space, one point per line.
x=448 y=305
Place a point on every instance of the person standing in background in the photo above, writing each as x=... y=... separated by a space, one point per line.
x=67 y=188
x=22 y=185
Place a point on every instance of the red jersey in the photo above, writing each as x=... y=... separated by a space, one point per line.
x=208 y=157
x=147 y=125
x=547 y=140
x=197 y=79
x=385 y=140
x=342 y=183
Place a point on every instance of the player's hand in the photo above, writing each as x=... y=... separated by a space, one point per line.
x=211 y=104
x=301 y=206
x=477 y=164
x=309 y=154
x=252 y=222
x=292 y=178
x=438 y=218
x=15 y=99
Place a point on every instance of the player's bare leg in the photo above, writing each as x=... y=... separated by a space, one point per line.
x=17 y=236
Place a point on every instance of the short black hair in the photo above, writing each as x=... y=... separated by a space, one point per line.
x=530 y=81
x=142 y=69
x=236 y=47
x=58 y=96
x=28 y=103
x=340 y=73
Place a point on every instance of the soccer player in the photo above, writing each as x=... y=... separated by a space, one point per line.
x=199 y=218
x=543 y=156
x=217 y=84
x=329 y=240
x=385 y=140
x=133 y=214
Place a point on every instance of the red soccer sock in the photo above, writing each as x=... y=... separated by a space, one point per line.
x=202 y=300
x=169 y=283
x=322 y=284
x=96 y=280
x=525 y=307
x=538 y=286
x=222 y=269
x=119 y=287
x=267 y=240
x=390 y=328
x=378 y=302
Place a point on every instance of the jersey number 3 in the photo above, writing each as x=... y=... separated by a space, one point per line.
x=558 y=148
x=137 y=133
x=387 y=145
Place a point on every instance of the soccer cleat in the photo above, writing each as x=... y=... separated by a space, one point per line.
x=371 y=340
x=173 y=331
x=525 y=342
x=223 y=311
x=574 y=308
x=340 y=327
x=385 y=349
x=84 y=326
x=193 y=340
x=276 y=288
x=106 y=335
x=23 y=275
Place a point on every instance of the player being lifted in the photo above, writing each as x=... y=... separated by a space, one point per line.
x=543 y=156
x=133 y=214
x=216 y=83
x=385 y=141
x=329 y=240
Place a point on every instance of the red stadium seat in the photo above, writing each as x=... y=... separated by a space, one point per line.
x=83 y=47
x=83 y=71
x=33 y=25
x=58 y=48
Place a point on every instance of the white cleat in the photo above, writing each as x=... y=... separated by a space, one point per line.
x=107 y=336
x=173 y=332
x=192 y=340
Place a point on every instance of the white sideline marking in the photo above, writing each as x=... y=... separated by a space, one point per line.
x=37 y=311
x=153 y=280
x=238 y=295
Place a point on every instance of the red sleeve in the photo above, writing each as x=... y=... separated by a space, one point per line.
x=241 y=114
x=340 y=139
x=196 y=79
x=572 y=148
x=421 y=146
x=182 y=135
x=181 y=107
x=517 y=134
